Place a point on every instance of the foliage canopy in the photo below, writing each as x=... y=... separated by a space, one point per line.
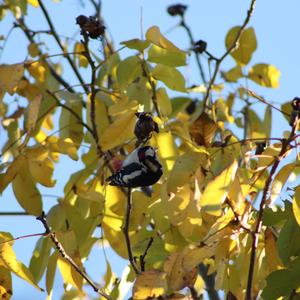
x=213 y=222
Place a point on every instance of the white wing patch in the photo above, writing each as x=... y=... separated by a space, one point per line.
x=131 y=176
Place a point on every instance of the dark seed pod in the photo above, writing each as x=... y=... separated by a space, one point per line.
x=144 y=126
x=91 y=26
x=200 y=46
x=81 y=20
x=176 y=10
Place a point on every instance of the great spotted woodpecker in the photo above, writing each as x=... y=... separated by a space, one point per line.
x=140 y=168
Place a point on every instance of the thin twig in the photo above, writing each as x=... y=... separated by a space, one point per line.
x=263 y=203
x=70 y=110
x=126 y=232
x=87 y=54
x=192 y=42
x=233 y=46
x=30 y=38
x=261 y=99
x=142 y=257
x=56 y=37
x=62 y=252
x=13 y=213
x=23 y=237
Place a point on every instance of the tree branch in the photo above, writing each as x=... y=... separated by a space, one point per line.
x=142 y=257
x=126 y=232
x=56 y=37
x=209 y=282
x=265 y=197
x=62 y=252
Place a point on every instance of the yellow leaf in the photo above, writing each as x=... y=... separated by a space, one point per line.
x=41 y=169
x=5 y=284
x=154 y=35
x=137 y=44
x=166 y=56
x=279 y=181
x=50 y=274
x=296 y=204
x=64 y=146
x=179 y=277
x=267 y=157
x=82 y=60
x=234 y=74
x=217 y=189
x=265 y=75
x=246 y=46
x=273 y=261
x=33 y=112
x=170 y=76
x=26 y=192
x=193 y=257
x=37 y=70
x=34 y=3
x=236 y=197
x=10 y=76
x=149 y=284
x=9 y=261
x=184 y=168
x=163 y=102
x=128 y=70
x=11 y=172
x=167 y=149
x=69 y=274
x=119 y=131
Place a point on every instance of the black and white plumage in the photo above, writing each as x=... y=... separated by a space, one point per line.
x=140 y=168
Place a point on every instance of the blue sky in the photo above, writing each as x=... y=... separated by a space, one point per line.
x=278 y=34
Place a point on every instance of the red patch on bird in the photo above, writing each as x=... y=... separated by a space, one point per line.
x=116 y=164
x=141 y=155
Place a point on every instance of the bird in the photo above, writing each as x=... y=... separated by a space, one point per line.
x=140 y=168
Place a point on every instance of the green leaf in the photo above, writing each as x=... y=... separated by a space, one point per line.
x=69 y=125
x=246 y=46
x=136 y=44
x=296 y=204
x=26 y=192
x=50 y=274
x=179 y=104
x=128 y=70
x=171 y=77
x=288 y=242
x=39 y=259
x=282 y=282
x=217 y=189
x=265 y=75
x=267 y=123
